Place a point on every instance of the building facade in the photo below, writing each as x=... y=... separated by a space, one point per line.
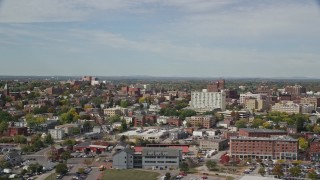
x=287 y=107
x=214 y=144
x=208 y=100
x=57 y=134
x=203 y=121
x=161 y=158
x=314 y=151
x=277 y=147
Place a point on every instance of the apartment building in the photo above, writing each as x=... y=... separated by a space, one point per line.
x=208 y=100
x=116 y=111
x=314 y=150
x=255 y=104
x=57 y=134
x=275 y=147
x=287 y=107
x=249 y=95
x=203 y=121
x=310 y=100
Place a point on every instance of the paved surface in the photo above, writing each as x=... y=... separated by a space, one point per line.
x=40 y=157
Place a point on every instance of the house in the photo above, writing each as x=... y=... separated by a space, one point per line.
x=13 y=157
x=97 y=129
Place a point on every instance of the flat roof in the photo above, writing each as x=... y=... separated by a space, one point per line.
x=274 y=138
x=149 y=132
x=256 y=178
x=262 y=130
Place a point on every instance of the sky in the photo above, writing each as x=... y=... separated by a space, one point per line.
x=169 y=38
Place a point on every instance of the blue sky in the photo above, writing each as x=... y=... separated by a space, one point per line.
x=199 y=38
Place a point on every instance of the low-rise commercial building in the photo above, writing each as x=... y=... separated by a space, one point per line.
x=214 y=144
x=148 y=158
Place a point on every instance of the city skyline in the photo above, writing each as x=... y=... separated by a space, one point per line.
x=161 y=38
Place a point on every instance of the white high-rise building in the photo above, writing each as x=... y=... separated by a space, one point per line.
x=208 y=100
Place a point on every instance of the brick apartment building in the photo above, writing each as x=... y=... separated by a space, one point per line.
x=251 y=132
x=175 y=121
x=204 y=121
x=314 y=151
x=276 y=147
x=14 y=131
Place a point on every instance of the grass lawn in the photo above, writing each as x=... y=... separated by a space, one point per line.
x=112 y=174
x=52 y=176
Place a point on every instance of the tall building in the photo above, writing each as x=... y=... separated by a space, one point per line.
x=295 y=90
x=216 y=86
x=208 y=100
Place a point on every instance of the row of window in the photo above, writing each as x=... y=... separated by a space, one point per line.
x=160 y=162
x=160 y=157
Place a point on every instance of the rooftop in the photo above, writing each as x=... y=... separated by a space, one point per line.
x=140 y=132
x=262 y=130
x=273 y=138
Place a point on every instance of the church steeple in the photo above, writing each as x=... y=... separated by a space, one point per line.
x=6 y=90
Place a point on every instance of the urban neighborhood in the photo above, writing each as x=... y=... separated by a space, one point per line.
x=88 y=128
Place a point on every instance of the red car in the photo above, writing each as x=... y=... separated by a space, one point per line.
x=204 y=177
x=183 y=174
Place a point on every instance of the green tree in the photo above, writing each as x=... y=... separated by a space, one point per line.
x=5 y=116
x=123 y=138
x=312 y=175
x=35 y=168
x=184 y=167
x=277 y=170
x=198 y=124
x=167 y=176
x=48 y=139
x=70 y=116
x=115 y=118
x=267 y=125
x=211 y=165
x=123 y=127
x=124 y=103
x=262 y=171
x=61 y=168
x=87 y=126
x=4 y=164
x=303 y=143
x=3 y=127
x=81 y=170
x=69 y=142
x=75 y=131
x=66 y=155
x=295 y=171
x=20 y=139
x=242 y=123
x=257 y=122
